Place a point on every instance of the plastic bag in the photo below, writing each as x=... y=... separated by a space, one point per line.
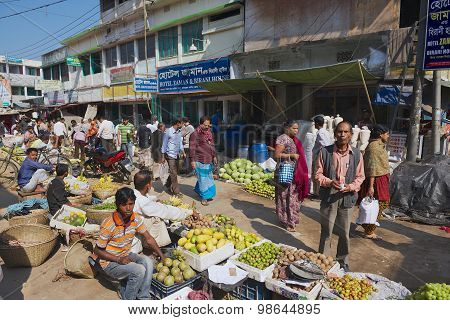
x=77 y=187
x=269 y=164
x=164 y=172
x=368 y=211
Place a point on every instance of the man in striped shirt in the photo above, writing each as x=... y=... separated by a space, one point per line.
x=125 y=137
x=114 y=245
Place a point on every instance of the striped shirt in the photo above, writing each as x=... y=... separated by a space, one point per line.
x=126 y=132
x=116 y=237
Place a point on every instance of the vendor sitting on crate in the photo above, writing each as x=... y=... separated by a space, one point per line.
x=56 y=192
x=155 y=213
x=32 y=173
x=113 y=246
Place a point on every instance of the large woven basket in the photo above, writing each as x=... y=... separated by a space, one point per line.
x=38 y=216
x=37 y=242
x=105 y=193
x=83 y=199
x=97 y=216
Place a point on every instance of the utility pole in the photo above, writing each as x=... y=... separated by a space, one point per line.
x=436 y=119
x=146 y=57
x=414 y=121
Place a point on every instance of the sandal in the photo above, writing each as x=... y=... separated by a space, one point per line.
x=290 y=229
x=373 y=236
x=204 y=203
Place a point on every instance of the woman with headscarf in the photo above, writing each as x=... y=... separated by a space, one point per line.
x=288 y=197
x=203 y=158
x=376 y=167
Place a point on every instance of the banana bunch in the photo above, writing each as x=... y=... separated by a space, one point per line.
x=177 y=202
x=104 y=182
x=82 y=178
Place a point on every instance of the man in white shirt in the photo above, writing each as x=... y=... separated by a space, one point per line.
x=323 y=139
x=60 y=131
x=155 y=213
x=186 y=130
x=153 y=125
x=106 y=134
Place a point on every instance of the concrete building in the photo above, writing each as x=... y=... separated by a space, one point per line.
x=19 y=77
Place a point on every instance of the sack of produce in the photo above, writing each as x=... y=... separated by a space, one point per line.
x=77 y=186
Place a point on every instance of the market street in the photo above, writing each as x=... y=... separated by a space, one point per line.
x=409 y=253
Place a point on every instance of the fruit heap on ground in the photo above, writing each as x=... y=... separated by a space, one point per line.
x=203 y=241
x=75 y=219
x=261 y=188
x=290 y=255
x=432 y=291
x=261 y=256
x=104 y=206
x=104 y=183
x=240 y=239
x=243 y=171
x=173 y=271
x=176 y=202
x=222 y=220
x=351 y=288
x=201 y=221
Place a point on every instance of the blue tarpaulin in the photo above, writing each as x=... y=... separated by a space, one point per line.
x=388 y=95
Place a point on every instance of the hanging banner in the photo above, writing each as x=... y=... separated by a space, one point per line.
x=121 y=75
x=47 y=85
x=437 y=39
x=5 y=92
x=145 y=84
x=73 y=61
x=183 y=78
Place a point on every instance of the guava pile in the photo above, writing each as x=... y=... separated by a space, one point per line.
x=243 y=171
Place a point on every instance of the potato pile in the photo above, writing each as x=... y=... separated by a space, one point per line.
x=290 y=255
x=202 y=221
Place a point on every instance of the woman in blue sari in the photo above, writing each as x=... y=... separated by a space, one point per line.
x=203 y=158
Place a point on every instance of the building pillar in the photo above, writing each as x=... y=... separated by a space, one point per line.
x=118 y=55
x=201 y=108
x=135 y=115
x=225 y=111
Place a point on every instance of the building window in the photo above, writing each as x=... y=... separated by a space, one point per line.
x=96 y=62
x=106 y=5
x=3 y=67
x=47 y=73
x=111 y=57
x=168 y=42
x=191 y=34
x=18 y=91
x=15 y=69
x=150 y=47
x=127 y=52
x=64 y=72
x=55 y=72
x=31 y=71
x=225 y=15
x=122 y=1
x=32 y=92
x=85 y=65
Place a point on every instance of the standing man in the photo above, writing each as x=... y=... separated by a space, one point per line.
x=125 y=136
x=60 y=131
x=186 y=131
x=157 y=156
x=366 y=119
x=106 y=134
x=145 y=155
x=340 y=173
x=172 y=148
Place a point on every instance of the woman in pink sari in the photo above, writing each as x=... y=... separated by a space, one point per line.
x=288 y=197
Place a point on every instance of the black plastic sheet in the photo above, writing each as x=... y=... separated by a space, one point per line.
x=422 y=190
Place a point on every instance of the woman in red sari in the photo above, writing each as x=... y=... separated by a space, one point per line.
x=288 y=198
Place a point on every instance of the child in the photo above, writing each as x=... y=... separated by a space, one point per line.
x=56 y=192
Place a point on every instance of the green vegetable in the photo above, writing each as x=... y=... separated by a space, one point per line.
x=104 y=206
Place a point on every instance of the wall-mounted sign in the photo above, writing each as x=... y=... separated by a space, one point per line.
x=145 y=84
x=121 y=75
x=15 y=60
x=437 y=39
x=184 y=77
x=47 y=85
x=73 y=61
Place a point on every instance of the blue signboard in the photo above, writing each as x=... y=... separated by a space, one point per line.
x=437 y=39
x=15 y=60
x=183 y=78
x=143 y=84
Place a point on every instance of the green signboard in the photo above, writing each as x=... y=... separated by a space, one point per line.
x=73 y=61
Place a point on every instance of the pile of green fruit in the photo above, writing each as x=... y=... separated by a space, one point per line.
x=261 y=188
x=173 y=271
x=261 y=256
x=202 y=241
x=104 y=206
x=432 y=291
x=243 y=171
x=351 y=288
x=222 y=220
x=240 y=239
x=75 y=218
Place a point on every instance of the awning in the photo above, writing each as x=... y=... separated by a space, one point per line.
x=22 y=105
x=199 y=14
x=235 y=86
x=331 y=74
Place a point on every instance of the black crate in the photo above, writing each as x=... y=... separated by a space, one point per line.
x=252 y=290
x=160 y=291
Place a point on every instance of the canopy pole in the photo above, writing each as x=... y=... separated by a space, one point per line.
x=271 y=94
x=367 y=93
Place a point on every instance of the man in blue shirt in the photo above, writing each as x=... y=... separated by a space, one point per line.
x=172 y=148
x=32 y=173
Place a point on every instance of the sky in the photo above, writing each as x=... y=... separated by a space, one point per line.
x=31 y=34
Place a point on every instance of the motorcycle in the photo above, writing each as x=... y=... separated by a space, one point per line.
x=101 y=162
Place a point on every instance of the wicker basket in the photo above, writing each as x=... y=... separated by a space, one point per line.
x=105 y=193
x=97 y=216
x=37 y=216
x=38 y=242
x=83 y=199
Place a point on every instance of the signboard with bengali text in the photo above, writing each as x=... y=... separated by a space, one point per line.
x=145 y=84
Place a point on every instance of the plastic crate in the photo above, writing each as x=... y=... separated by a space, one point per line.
x=159 y=291
x=252 y=290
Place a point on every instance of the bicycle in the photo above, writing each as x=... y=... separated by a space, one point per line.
x=9 y=168
x=45 y=157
